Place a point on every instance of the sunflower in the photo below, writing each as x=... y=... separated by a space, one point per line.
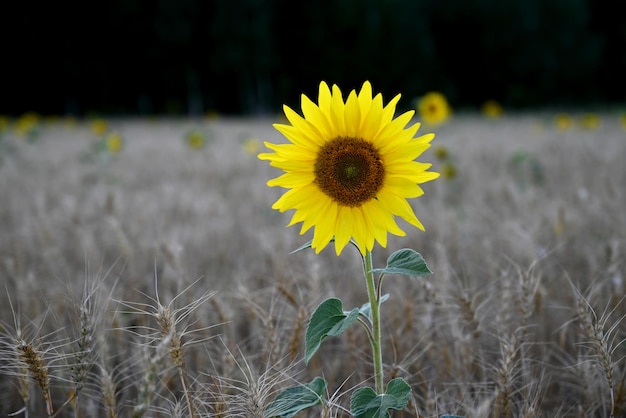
x=491 y=109
x=563 y=121
x=99 y=127
x=196 y=139
x=590 y=121
x=350 y=168
x=114 y=143
x=433 y=108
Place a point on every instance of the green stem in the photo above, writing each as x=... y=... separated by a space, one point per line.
x=374 y=299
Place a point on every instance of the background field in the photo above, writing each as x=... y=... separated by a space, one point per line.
x=522 y=317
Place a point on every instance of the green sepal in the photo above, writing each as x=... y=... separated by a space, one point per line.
x=407 y=262
x=329 y=319
x=310 y=244
x=298 y=398
x=365 y=403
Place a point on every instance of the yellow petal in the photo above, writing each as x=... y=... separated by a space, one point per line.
x=317 y=120
x=352 y=116
x=343 y=229
x=291 y=180
x=365 y=98
x=337 y=113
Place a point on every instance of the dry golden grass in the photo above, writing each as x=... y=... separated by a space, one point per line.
x=159 y=282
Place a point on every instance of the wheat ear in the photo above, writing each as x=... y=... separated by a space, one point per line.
x=33 y=359
x=600 y=341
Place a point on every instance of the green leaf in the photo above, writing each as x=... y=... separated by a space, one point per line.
x=366 y=309
x=365 y=403
x=405 y=261
x=295 y=399
x=329 y=319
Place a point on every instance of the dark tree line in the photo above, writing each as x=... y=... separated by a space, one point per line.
x=250 y=56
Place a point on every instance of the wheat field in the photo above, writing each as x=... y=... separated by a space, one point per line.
x=159 y=282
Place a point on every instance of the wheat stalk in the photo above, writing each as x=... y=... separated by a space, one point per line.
x=108 y=389
x=33 y=359
x=506 y=377
x=169 y=337
x=600 y=338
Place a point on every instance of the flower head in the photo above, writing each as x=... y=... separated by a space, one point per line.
x=434 y=108
x=350 y=168
x=27 y=124
x=449 y=170
x=590 y=121
x=4 y=123
x=251 y=145
x=563 y=121
x=441 y=152
x=99 y=127
x=491 y=109
x=114 y=143
x=196 y=139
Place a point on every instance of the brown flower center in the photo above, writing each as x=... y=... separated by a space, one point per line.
x=349 y=170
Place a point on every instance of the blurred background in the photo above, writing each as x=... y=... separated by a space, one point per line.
x=248 y=57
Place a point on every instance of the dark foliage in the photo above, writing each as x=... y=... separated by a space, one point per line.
x=250 y=56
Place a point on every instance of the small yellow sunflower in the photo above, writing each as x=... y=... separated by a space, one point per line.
x=4 y=123
x=114 y=143
x=441 y=152
x=449 y=170
x=590 y=121
x=563 y=121
x=433 y=108
x=491 y=109
x=350 y=168
x=27 y=123
x=99 y=127
x=251 y=145
x=196 y=139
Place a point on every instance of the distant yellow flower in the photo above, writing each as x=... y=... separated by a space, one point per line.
x=491 y=109
x=559 y=225
x=26 y=123
x=69 y=122
x=449 y=170
x=433 y=108
x=622 y=120
x=196 y=139
x=99 y=127
x=212 y=114
x=51 y=119
x=251 y=145
x=563 y=121
x=4 y=123
x=349 y=168
x=590 y=121
x=441 y=152
x=114 y=143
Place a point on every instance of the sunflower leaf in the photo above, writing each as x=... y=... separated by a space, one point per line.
x=297 y=398
x=407 y=262
x=366 y=309
x=365 y=403
x=329 y=319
